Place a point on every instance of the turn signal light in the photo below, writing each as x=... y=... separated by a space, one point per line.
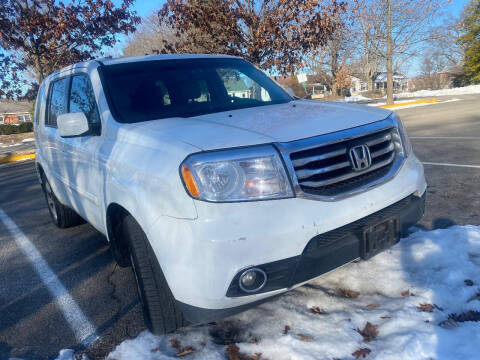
x=189 y=181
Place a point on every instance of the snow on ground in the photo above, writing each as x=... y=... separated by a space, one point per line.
x=355 y=98
x=472 y=89
x=439 y=269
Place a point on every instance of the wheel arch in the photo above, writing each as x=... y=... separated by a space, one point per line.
x=114 y=217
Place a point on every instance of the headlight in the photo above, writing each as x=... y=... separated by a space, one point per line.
x=407 y=145
x=247 y=174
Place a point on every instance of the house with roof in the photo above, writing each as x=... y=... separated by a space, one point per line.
x=400 y=81
x=14 y=112
x=236 y=87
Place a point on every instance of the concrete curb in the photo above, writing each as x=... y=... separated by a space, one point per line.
x=20 y=156
x=414 y=102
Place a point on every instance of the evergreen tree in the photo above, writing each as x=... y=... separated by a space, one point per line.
x=470 y=41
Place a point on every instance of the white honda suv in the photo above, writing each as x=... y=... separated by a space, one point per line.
x=219 y=188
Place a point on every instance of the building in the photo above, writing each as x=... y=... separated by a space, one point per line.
x=14 y=112
x=400 y=81
x=237 y=88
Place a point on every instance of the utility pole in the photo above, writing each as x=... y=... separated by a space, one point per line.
x=389 y=54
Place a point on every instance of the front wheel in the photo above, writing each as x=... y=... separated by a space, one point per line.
x=160 y=311
x=62 y=216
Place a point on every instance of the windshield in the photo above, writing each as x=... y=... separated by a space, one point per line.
x=149 y=90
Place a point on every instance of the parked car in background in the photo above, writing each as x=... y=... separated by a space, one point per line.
x=219 y=188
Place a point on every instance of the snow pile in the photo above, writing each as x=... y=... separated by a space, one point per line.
x=472 y=89
x=355 y=98
x=406 y=294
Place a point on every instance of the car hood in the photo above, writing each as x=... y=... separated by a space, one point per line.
x=258 y=125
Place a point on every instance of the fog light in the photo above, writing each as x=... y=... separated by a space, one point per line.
x=252 y=280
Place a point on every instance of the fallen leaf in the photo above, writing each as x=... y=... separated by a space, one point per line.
x=185 y=351
x=317 y=310
x=361 y=353
x=232 y=352
x=253 y=340
x=286 y=330
x=175 y=343
x=468 y=282
x=372 y=306
x=349 y=294
x=405 y=293
x=181 y=351
x=425 y=307
x=305 y=337
x=369 y=332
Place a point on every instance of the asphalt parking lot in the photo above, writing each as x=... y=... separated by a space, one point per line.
x=76 y=265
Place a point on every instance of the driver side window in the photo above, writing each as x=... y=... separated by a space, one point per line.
x=82 y=99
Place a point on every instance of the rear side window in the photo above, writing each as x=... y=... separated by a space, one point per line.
x=82 y=98
x=57 y=104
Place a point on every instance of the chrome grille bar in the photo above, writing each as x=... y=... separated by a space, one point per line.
x=383 y=151
x=307 y=160
x=379 y=140
x=321 y=166
x=306 y=173
x=349 y=175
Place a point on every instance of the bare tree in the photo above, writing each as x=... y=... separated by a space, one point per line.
x=389 y=54
x=409 y=25
x=149 y=38
x=393 y=32
x=334 y=58
x=369 y=30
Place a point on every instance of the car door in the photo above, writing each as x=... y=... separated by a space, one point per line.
x=82 y=167
x=51 y=142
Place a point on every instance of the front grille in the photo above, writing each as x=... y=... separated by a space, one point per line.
x=326 y=170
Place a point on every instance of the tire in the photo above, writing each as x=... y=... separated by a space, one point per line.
x=160 y=312
x=62 y=216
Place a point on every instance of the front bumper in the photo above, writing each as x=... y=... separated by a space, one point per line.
x=322 y=254
x=201 y=257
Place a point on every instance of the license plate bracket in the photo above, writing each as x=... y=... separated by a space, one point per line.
x=379 y=237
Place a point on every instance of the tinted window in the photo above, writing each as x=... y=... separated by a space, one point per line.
x=182 y=88
x=57 y=101
x=82 y=98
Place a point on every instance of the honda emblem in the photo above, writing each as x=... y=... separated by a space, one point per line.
x=360 y=157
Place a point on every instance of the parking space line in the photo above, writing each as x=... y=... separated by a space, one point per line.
x=448 y=164
x=445 y=137
x=78 y=322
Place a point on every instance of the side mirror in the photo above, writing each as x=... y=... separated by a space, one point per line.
x=72 y=124
x=290 y=92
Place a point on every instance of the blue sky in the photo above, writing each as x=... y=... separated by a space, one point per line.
x=144 y=7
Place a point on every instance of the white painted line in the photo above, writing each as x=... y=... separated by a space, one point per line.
x=455 y=165
x=446 y=137
x=80 y=325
